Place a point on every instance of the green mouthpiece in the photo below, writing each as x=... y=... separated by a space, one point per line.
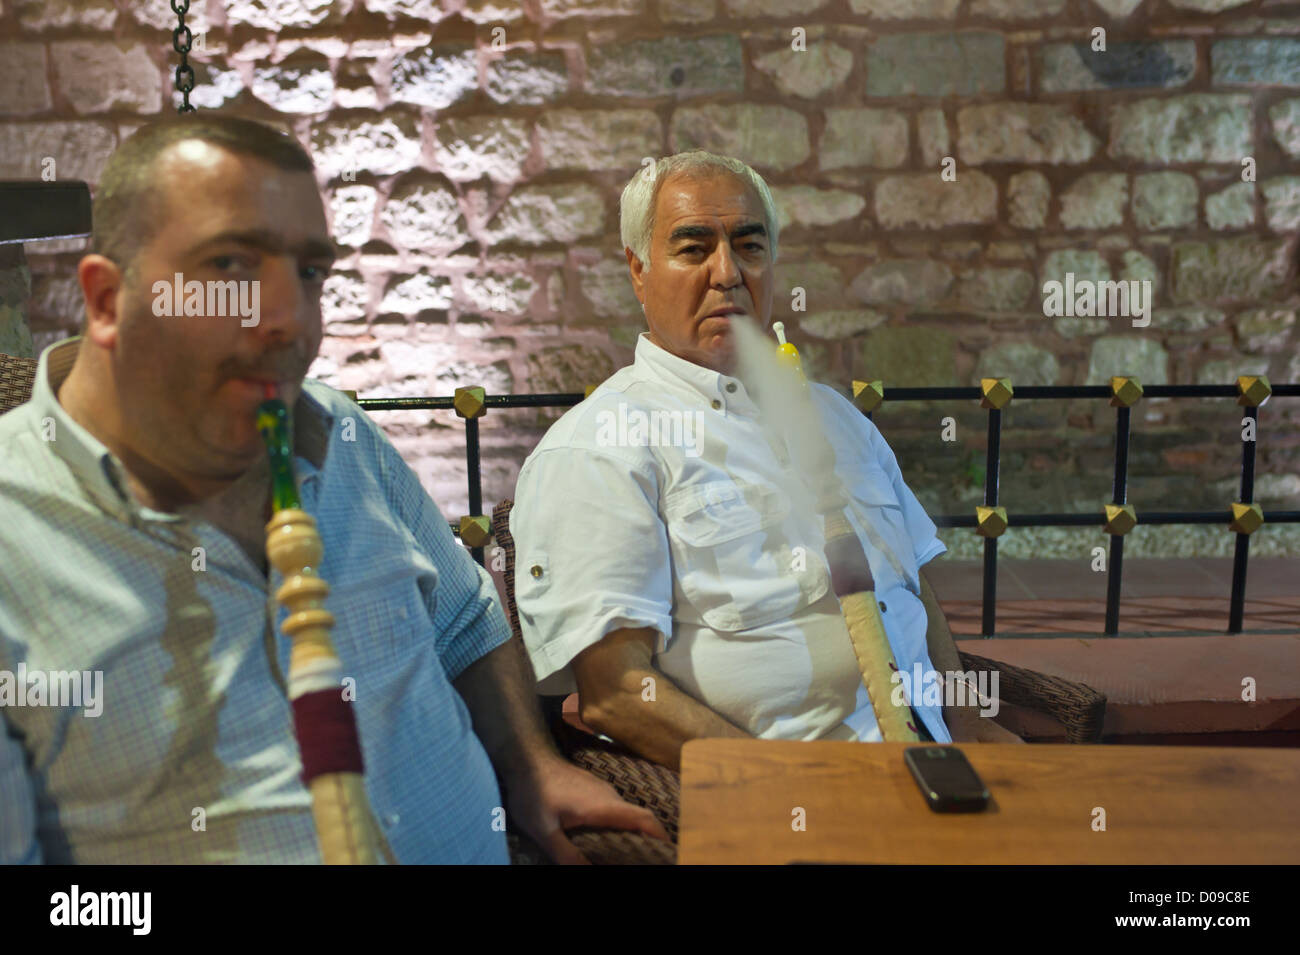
x=273 y=425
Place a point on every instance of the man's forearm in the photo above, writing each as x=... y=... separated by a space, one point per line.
x=499 y=690
x=655 y=720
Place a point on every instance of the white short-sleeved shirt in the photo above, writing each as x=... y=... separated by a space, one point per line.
x=661 y=501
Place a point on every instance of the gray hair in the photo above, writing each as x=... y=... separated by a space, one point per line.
x=636 y=207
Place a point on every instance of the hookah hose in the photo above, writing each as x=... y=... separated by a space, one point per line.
x=851 y=577
x=324 y=723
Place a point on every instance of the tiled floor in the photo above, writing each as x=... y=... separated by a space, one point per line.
x=1167 y=596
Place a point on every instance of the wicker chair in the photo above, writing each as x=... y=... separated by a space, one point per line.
x=1079 y=708
x=17 y=377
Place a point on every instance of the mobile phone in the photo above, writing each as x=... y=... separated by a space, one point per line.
x=947 y=780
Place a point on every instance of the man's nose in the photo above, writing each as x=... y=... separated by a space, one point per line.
x=725 y=272
x=281 y=307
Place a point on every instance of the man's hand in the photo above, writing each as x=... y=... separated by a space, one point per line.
x=965 y=725
x=559 y=796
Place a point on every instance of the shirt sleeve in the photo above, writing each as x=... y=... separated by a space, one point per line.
x=468 y=619
x=926 y=545
x=18 y=843
x=592 y=556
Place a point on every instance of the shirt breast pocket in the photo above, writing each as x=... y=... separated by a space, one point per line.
x=734 y=563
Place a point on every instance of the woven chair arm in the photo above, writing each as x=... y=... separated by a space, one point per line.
x=620 y=847
x=1077 y=706
x=600 y=846
x=638 y=780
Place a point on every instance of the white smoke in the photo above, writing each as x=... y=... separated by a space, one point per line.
x=790 y=415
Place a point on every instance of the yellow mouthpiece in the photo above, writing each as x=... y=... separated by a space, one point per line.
x=787 y=354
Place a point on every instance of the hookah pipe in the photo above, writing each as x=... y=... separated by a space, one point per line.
x=851 y=577
x=323 y=720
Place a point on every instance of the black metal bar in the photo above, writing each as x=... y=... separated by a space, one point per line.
x=1241 y=553
x=475 y=476
x=932 y=394
x=1050 y=392
x=1098 y=518
x=991 y=462
x=1139 y=634
x=1119 y=489
x=557 y=400
x=406 y=404
x=992 y=459
x=561 y=400
x=1119 y=495
x=1237 y=601
x=1032 y=392
x=988 y=609
x=1204 y=391
x=1114 y=570
x=1024 y=520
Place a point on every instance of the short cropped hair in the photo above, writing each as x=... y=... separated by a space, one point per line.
x=126 y=208
x=636 y=207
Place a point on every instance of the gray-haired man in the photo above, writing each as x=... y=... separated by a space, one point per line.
x=655 y=572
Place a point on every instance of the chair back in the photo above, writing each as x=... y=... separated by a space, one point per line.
x=501 y=533
x=17 y=378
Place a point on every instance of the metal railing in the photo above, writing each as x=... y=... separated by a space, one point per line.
x=1243 y=516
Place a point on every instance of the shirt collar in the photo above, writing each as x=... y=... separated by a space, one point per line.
x=724 y=393
x=100 y=471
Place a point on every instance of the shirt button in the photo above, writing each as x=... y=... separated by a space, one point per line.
x=717 y=405
x=731 y=387
x=392 y=819
x=536 y=570
x=883 y=608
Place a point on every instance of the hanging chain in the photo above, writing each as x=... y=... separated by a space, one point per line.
x=184 y=72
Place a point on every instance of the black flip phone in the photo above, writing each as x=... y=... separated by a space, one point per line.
x=948 y=782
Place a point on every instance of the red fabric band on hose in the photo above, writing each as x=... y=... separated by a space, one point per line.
x=327 y=734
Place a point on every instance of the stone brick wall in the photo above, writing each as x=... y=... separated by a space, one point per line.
x=472 y=153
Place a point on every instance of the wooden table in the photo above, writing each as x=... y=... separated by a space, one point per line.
x=1163 y=805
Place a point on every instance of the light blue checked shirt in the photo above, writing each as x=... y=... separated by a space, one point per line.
x=193 y=758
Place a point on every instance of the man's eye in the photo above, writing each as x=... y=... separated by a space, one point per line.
x=691 y=249
x=314 y=273
x=232 y=263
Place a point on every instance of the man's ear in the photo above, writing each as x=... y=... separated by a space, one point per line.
x=101 y=284
x=638 y=278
